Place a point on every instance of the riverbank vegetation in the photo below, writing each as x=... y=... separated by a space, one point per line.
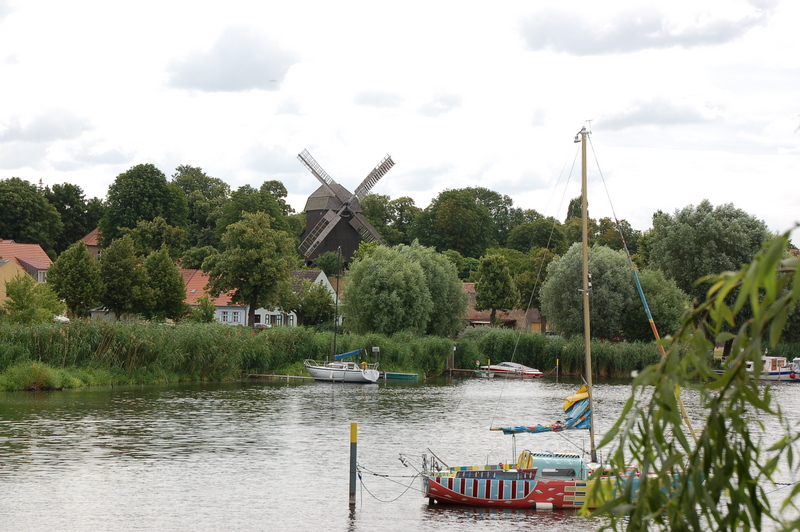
x=88 y=353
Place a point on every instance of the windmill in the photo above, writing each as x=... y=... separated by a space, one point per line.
x=333 y=214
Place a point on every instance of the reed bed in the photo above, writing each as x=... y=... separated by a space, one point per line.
x=88 y=352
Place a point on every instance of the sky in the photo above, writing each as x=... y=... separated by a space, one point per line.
x=686 y=101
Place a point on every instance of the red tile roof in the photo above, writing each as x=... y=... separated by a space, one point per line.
x=93 y=238
x=32 y=254
x=196 y=281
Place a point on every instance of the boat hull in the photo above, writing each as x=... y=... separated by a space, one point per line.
x=343 y=373
x=507 y=493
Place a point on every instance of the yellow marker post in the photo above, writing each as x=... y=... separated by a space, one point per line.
x=353 y=461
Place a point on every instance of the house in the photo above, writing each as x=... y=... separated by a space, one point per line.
x=92 y=241
x=532 y=320
x=9 y=268
x=277 y=316
x=227 y=312
x=31 y=257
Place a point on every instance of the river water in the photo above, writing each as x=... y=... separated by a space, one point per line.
x=273 y=455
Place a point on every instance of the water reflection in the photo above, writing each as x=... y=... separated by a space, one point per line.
x=272 y=455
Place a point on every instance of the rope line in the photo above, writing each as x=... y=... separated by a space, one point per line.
x=387 y=477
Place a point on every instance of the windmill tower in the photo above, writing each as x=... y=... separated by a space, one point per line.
x=333 y=214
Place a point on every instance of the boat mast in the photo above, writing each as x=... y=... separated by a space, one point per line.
x=586 y=285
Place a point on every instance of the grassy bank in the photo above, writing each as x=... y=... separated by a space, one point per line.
x=84 y=353
x=80 y=353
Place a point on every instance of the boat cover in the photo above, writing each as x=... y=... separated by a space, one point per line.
x=347 y=355
x=578 y=416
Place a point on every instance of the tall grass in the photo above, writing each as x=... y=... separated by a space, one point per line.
x=545 y=352
x=86 y=352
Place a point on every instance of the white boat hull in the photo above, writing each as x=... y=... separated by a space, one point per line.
x=342 y=372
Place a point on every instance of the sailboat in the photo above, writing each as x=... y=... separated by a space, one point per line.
x=341 y=370
x=538 y=480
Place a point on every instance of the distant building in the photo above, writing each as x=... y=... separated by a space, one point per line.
x=227 y=312
x=92 y=241
x=532 y=320
x=31 y=257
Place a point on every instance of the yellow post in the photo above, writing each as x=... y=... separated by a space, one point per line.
x=353 y=461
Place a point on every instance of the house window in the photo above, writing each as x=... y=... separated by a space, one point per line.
x=290 y=320
x=42 y=276
x=235 y=316
x=257 y=318
x=224 y=316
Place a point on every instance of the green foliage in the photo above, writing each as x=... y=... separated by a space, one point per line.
x=611 y=359
x=78 y=216
x=254 y=264
x=531 y=278
x=204 y=312
x=541 y=233
x=194 y=257
x=29 y=302
x=166 y=286
x=329 y=262
x=311 y=302
x=616 y=310
x=249 y=200
x=495 y=289
x=153 y=235
x=727 y=473
x=385 y=293
x=27 y=217
x=446 y=290
x=703 y=240
x=75 y=277
x=125 y=279
x=205 y=197
x=454 y=220
x=667 y=305
x=142 y=193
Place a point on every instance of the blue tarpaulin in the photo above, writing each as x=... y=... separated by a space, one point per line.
x=347 y=355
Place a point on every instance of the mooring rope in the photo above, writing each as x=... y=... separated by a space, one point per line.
x=387 y=477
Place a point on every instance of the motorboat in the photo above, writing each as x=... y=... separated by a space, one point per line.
x=512 y=369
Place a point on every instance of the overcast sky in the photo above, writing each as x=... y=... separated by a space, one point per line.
x=687 y=100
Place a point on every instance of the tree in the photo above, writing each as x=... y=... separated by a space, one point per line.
x=249 y=200
x=446 y=290
x=29 y=302
x=166 y=285
x=405 y=215
x=500 y=208
x=254 y=264
x=455 y=221
x=541 y=233
x=78 y=216
x=495 y=289
x=616 y=309
x=27 y=217
x=311 y=302
x=75 y=277
x=667 y=304
x=386 y=293
x=194 y=257
x=608 y=234
x=125 y=279
x=329 y=262
x=204 y=312
x=205 y=197
x=150 y=236
x=530 y=280
x=691 y=473
x=703 y=240
x=142 y=193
